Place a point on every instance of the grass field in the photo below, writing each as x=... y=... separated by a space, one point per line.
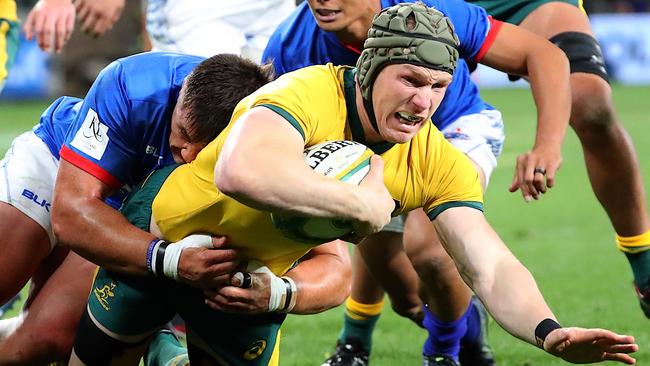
x=565 y=240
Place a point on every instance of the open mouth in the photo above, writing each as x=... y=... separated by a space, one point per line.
x=327 y=14
x=408 y=118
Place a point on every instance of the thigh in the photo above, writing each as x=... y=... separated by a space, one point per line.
x=228 y=338
x=552 y=18
x=27 y=175
x=129 y=308
x=515 y=11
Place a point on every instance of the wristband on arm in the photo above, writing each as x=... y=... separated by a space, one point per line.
x=162 y=258
x=543 y=329
x=156 y=256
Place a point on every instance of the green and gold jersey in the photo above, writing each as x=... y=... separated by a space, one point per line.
x=319 y=101
x=9 y=31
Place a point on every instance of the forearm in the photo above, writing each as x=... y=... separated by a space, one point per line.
x=265 y=188
x=101 y=234
x=322 y=279
x=261 y=165
x=548 y=73
x=513 y=299
x=504 y=285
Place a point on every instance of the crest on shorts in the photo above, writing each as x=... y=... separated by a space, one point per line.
x=255 y=350
x=104 y=293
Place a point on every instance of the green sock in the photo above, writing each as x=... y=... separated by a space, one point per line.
x=166 y=350
x=359 y=329
x=640 y=263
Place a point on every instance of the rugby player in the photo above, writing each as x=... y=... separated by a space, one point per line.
x=256 y=164
x=334 y=31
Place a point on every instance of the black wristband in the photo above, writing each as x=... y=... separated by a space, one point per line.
x=542 y=330
x=288 y=295
x=159 y=265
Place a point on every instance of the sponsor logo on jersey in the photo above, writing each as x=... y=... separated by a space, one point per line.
x=104 y=293
x=255 y=350
x=34 y=198
x=92 y=136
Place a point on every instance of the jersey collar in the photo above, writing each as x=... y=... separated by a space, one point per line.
x=350 y=90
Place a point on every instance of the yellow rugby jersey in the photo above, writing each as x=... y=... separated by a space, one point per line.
x=8 y=37
x=319 y=101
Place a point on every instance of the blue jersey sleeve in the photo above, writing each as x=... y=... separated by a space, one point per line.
x=471 y=23
x=100 y=140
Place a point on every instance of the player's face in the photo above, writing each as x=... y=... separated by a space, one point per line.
x=404 y=98
x=336 y=15
x=180 y=141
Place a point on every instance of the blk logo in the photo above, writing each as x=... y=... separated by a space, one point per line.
x=34 y=197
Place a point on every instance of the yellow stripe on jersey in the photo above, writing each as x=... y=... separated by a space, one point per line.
x=319 y=102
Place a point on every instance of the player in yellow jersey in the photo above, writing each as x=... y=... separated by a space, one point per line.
x=255 y=165
x=8 y=37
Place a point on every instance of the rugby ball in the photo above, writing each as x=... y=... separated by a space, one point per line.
x=347 y=161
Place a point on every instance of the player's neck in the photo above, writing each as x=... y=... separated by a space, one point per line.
x=356 y=33
x=371 y=136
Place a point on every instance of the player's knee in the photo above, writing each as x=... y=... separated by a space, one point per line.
x=592 y=114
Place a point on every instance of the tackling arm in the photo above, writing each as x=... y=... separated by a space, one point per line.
x=96 y=231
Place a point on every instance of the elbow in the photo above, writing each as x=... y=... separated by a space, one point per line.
x=234 y=180
x=61 y=223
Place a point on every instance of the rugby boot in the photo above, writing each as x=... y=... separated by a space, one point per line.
x=438 y=360
x=350 y=353
x=644 y=300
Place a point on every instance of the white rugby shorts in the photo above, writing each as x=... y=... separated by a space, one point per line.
x=27 y=176
x=480 y=136
x=209 y=27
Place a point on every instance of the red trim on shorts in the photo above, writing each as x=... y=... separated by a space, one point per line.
x=495 y=27
x=84 y=164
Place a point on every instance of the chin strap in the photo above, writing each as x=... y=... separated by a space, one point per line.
x=367 y=104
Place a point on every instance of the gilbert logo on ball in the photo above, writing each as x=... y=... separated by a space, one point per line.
x=346 y=161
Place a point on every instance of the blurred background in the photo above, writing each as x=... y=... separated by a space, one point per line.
x=622 y=27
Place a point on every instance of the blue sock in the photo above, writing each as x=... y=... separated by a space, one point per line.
x=473 y=333
x=444 y=337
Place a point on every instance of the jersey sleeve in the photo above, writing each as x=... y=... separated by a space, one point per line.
x=471 y=23
x=100 y=140
x=298 y=98
x=452 y=179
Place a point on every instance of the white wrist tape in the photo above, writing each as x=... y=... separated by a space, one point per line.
x=173 y=252
x=283 y=291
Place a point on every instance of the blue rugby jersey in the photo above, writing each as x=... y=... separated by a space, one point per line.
x=120 y=132
x=299 y=42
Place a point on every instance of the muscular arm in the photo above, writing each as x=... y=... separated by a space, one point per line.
x=518 y=51
x=82 y=221
x=96 y=231
x=509 y=291
x=322 y=278
x=261 y=165
x=504 y=285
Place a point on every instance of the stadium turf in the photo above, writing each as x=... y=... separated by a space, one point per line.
x=565 y=240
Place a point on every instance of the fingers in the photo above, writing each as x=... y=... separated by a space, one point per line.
x=619 y=357
x=534 y=174
x=376 y=172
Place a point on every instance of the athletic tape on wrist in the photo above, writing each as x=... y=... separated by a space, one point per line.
x=543 y=329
